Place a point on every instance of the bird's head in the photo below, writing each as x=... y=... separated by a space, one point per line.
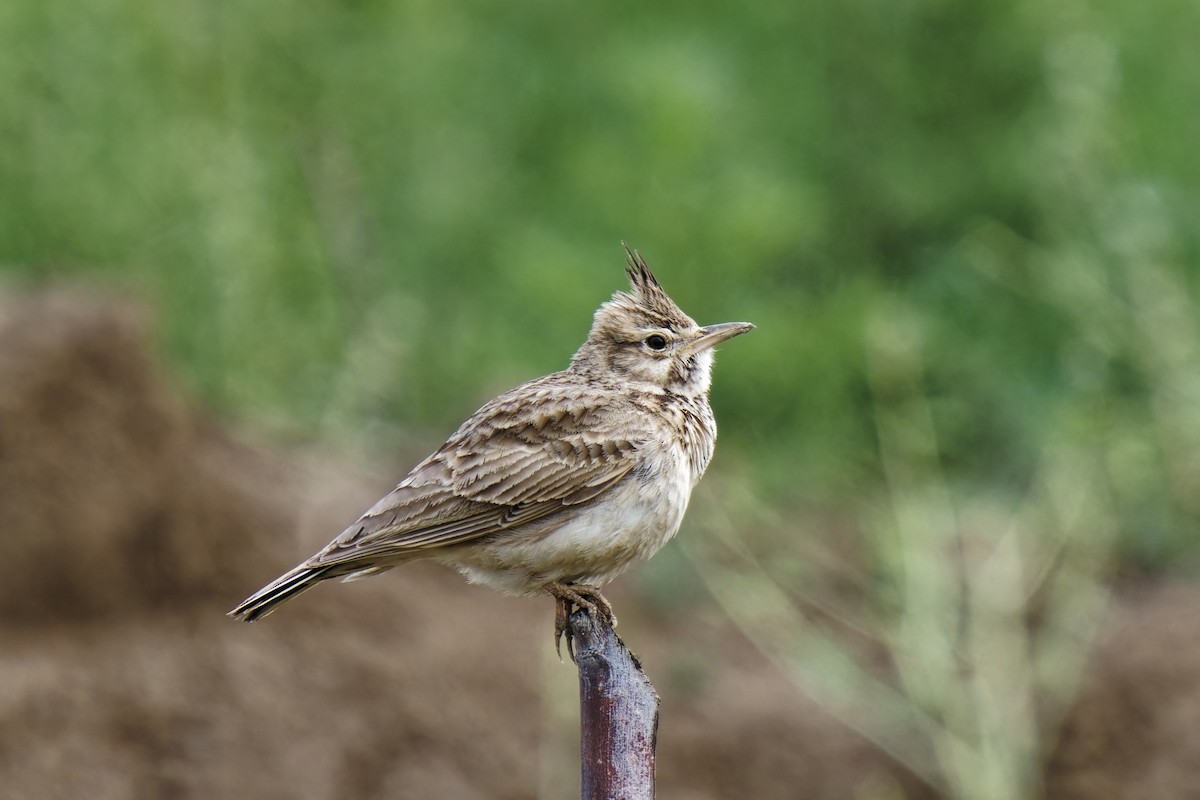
x=644 y=337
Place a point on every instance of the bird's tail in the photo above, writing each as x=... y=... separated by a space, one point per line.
x=285 y=587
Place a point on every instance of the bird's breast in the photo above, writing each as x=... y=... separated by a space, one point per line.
x=593 y=542
x=696 y=433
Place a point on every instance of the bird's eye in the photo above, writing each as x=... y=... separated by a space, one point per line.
x=656 y=342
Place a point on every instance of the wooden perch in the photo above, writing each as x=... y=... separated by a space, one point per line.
x=618 y=715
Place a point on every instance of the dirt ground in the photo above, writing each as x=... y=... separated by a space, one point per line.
x=129 y=524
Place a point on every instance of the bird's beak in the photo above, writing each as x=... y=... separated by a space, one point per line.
x=713 y=335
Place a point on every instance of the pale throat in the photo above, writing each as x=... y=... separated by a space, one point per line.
x=695 y=378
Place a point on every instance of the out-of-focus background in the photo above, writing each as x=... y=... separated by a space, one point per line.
x=258 y=258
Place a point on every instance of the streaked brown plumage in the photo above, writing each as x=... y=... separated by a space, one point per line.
x=561 y=483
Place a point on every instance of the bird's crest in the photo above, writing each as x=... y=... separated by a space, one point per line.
x=648 y=294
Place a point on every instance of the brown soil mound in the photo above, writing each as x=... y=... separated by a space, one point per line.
x=1135 y=728
x=116 y=500
x=130 y=525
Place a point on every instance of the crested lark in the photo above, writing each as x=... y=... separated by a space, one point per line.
x=561 y=483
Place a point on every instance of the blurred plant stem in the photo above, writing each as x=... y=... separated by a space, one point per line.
x=989 y=612
x=984 y=599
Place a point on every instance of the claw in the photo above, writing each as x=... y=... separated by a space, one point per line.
x=568 y=597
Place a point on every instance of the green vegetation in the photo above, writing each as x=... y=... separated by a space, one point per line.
x=387 y=211
x=966 y=231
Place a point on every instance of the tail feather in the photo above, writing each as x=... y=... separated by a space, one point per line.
x=285 y=587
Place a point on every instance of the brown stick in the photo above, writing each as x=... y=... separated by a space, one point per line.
x=618 y=715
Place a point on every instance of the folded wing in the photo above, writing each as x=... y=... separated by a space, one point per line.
x=524 y=456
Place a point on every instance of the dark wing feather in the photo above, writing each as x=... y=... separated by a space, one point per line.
x=523 y=456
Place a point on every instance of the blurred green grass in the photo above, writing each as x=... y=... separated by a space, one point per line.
x=384 y=211
x=357 y=214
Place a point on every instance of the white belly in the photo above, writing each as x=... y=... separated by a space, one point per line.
x=589 y=544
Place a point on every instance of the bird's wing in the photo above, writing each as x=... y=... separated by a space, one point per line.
x=523 y=456
x=566 y=443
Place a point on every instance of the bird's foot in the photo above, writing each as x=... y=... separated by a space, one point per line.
x=568 y=597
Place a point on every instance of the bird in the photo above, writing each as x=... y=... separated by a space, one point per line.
x=558 y=485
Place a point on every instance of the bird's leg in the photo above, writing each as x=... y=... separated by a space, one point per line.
x=568 y=597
